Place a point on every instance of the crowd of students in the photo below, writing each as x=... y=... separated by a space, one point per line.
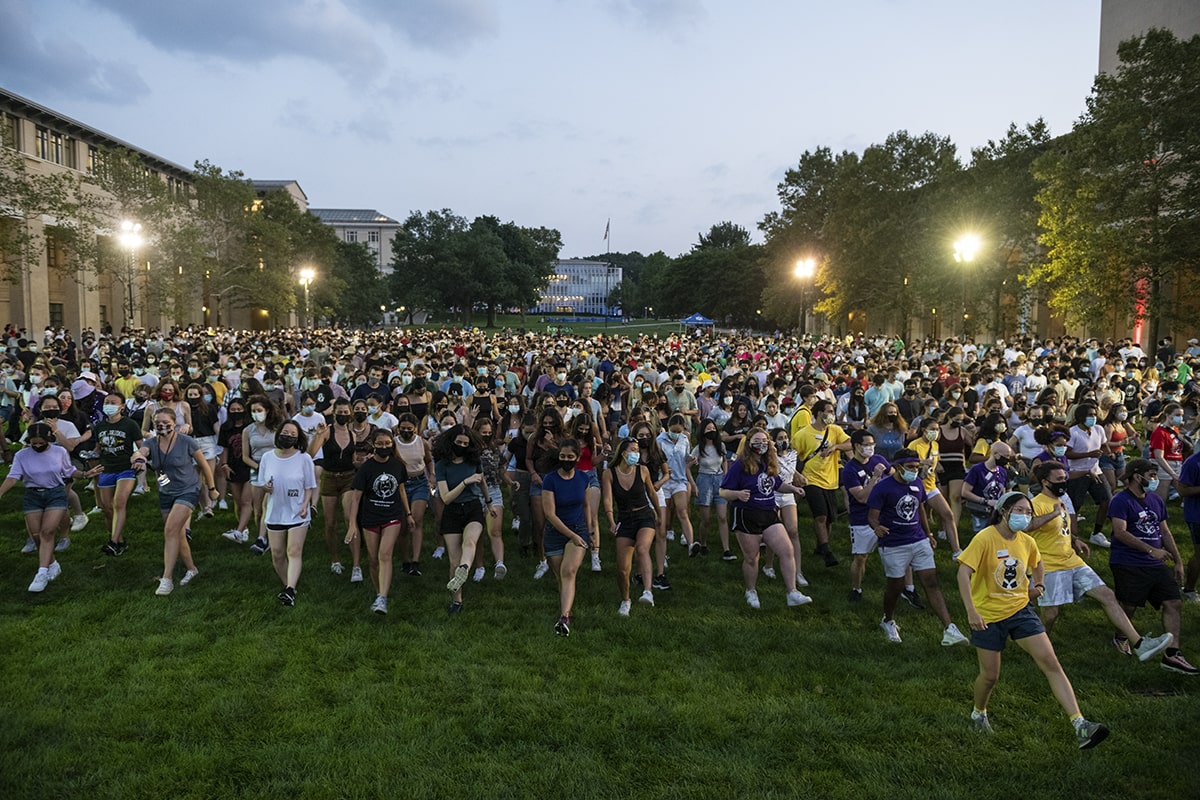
x=375 y=430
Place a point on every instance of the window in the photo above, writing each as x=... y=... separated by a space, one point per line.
x=373 y=237
x=69 y=147
x=352 y=236
x=10 y=131
x=41 y=143
x=103 y=317
x=56 y=315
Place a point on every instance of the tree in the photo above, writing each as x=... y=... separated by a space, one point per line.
x=724 y=234
x=1119 y=196
x=352 y=289
x=429 y=262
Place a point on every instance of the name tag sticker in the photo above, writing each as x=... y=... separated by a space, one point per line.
x=1001 y=554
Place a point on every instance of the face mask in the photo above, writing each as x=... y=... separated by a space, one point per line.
x=728 y=401
x=51 y=413
x=638 y=383
x=193 y=401
x=164 y=430
x=867 y=450
x=1089 y=421
x=1001 y=428
x=781 y=446
x=1003 y=462
x=447 y=426
x=231 y=364
x=1122 y=415
x=931 y=435
x=1176 y=421
x=907 y=475
x=359 y=381
x=287 y=440
x=1060 y=450
x=1057 y=489
x=456 y=379
x=41 y=448
x=1019 y=522
x=1152 y=485
x=1035 y=421
x=383 y=452
x=111 y=410
x=374 y=410
x=406 y=380
x=460 y=450
x=673 y=436
x=309 y=408
x=956 y=395
x=514 y=409
x=760 y=447
x=258 y=416
x=360 y=416
x=193 y=370
x=632 y=458
x=561 y=377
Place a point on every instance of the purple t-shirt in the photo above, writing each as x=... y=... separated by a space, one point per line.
x=44 y=470
x=761 y=485
x=1143 y=519
x=899 y=506
x=1189 y=473
x=855 y=474
x=987 y=483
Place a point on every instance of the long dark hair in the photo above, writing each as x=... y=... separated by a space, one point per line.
x=703 y=441
x=443 y=445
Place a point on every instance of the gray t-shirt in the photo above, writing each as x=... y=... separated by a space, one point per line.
x=176 y=468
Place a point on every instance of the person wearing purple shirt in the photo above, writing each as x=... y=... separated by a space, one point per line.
x=859 y=476
x=1142 y=545
x=1189 y=488
x=984 y=483
x=897 y=515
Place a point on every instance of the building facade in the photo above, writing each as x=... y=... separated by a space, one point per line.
x=580 y=288
x=363 y=226
x=1124 y=19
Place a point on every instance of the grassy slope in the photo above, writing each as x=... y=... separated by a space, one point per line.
x=217 y=691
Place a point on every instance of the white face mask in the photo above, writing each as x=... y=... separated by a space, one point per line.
x=867 y=450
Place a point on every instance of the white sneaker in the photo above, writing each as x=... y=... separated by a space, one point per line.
x=670 y=536
x=165 y=586
x=500 y=571
x=236 y=536
x=78 y=522
x=480 y=572
x=138 y=491
x=953 y=636
x=647 y=598
x=797 y=598
x=516 y=524
x=62 y=544
x=40 y=580
x=187 y=576
x=752 y=599
x=356 y=575
x=1100 y=540
x=30 y=545
x=892 y=630
x=95 y=510
x=769 y=572
x=542 y=568
x=380 y=605
x=439 y=552
x=595 y=561
x=54 y=569
x=801 y=581
x=222 y=505
x=1150 y=647
x=1192 y=596
x=336 y=568
x=623 y=609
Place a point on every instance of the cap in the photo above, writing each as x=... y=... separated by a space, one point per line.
x=89 y=376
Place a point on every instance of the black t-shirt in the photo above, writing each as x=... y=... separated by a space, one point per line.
x=230 y=438
x=323 y=397
x=381 y=485
x=116 y=442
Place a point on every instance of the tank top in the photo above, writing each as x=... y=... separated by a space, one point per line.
x=1117 y=437
x=951 y=450
x=633 y=499
x=413 y=455
x=585 y=459
x=335 y=457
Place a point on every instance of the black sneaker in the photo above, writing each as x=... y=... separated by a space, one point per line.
x=122 y=547
x=454 y=608
x=287 y=596
x=260 y=546
x=913 y=599
x=562 y=627
x=637 y=578
x=703 y=549
x=109 y=549
x=404 y=567
x=694 y=550
x=1090 y=734
x=827 y=554
x=661 y=583
x=728 y=556
x=855 y=596
x=414 y=569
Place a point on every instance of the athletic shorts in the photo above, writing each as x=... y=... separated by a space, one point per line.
x=556 y=543
x=785 y=499
x=822 y=503
x=189 y=499
x=863 y=540
x=1088 y=486
x=752 y=521
x=457 y=516
x=1021 y=625
x=1136 y=586
x=378 y=529
x=952 y=471
x=932 y=493
x=336 y=484
x=708 y=489
x=1066 y=586
x=49 y=499
x=918 y=555
x=107 y=480
x=628 y=526
x=279 y=527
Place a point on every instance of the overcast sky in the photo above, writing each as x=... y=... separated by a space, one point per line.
x=666 y=116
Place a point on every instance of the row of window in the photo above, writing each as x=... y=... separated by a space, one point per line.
x=57 y=319
x=372 y=237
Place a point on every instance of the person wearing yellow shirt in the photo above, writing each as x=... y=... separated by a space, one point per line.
x=803 y=416
x=213 y=380
x=993 y=579
x=818 y=458
x=128 y=383
x=926 y=446
x=1068 y=577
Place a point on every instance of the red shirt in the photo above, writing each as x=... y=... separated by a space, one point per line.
x=1167 y=440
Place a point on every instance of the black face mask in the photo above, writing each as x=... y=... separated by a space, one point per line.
x=1057 y=489
x=1003 y=462
x=237 y=417
x=341 y=419
x=286 y=440
x=460 y=450
x=566 y=463
x=711 y=435
x=383 y=452
x=51 y=413
x=40 y=448
x=360 y=416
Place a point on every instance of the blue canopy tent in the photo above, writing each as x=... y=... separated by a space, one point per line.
x=696 y=320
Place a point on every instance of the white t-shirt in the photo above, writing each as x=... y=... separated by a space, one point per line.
x=308 y=424
x=290 y=477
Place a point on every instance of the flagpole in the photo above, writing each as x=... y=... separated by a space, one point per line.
x=607 y=271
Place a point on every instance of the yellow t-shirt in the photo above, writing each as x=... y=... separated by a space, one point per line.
x=928 y=451
x=981 y=448
x=127 y=386
x=1000 y=583
x=821 y=470
x=1054 y=538
x=801 y=419
x=218 y=389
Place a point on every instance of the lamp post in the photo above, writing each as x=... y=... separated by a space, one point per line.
x=306 y=278
x=130 y=238
x=805 y=269
x=965 y=250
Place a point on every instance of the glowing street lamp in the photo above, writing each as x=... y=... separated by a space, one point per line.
x=805 y=269
x=306 y=278
x=130 y=238
x=965 y=250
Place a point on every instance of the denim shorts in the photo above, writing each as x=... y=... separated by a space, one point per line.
x=417 y=489
x=51 y=499
x=556 y=543
x=708 y=489
x=593 y=479
x=189 y=499
x=108 y=480
x=496 y=496
x=1115 y=462
x=1021 y=625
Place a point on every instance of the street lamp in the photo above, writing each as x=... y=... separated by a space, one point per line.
x=965 y=250
x=306 y=278
x=130 y=238
x=805 y=269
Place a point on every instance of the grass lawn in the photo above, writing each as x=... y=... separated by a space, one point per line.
x=217 y=691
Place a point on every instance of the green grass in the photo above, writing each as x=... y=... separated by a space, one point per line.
x=217 y=691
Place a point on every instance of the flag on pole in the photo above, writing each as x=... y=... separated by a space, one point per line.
x=606 y=224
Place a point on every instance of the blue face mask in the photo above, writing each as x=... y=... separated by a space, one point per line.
x=907 y=476
x=632 y=458
x=1152 y=485
x=1019 y=522
x=1089 y=421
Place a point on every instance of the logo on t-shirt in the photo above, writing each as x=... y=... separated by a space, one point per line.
x=1147 y=524
x=906 y=508
x=766 y=483
x=1008 y=573
x=384 y=486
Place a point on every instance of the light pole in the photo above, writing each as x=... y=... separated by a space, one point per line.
x=965 y=250
x=805 y=269
x=306 y=278
x=130 y=238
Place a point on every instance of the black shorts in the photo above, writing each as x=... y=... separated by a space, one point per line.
x=457 y=516
x=822 y=502
x=752 y=521
x=952 y=471
x=1136 y=586
x=628 y=526
x=1088 y=486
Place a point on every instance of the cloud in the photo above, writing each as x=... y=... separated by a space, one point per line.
x=53 y=66
x=442 y=25
x=658 y=16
